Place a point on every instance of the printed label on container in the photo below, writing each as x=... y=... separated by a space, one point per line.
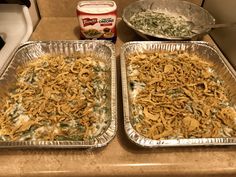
x=99 y=23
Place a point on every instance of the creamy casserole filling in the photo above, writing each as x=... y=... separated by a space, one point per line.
x=160 y=23
x=57 y=98
x=178 y=95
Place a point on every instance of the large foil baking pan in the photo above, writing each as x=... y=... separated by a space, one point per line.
x=31 y=51
x=191 y=11
x=203 y=49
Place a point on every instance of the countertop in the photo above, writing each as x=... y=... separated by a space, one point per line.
x=120 y=157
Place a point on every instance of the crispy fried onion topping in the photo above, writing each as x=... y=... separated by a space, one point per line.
x=57 y=98
x=178 y=95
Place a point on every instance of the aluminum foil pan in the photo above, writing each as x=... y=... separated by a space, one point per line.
x=190 y=11
x=203 y=49
x=35 y=49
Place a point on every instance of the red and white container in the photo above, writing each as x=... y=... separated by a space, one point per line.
x=97 y=20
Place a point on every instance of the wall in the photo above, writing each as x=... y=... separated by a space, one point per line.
x=224 y=11
x=57 y=8
x=33 y=10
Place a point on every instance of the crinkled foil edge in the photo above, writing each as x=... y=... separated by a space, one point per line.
x=66 y=47
x=222 y=65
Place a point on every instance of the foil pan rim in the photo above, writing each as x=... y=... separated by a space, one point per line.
x=97 y=142
x=145 y=142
